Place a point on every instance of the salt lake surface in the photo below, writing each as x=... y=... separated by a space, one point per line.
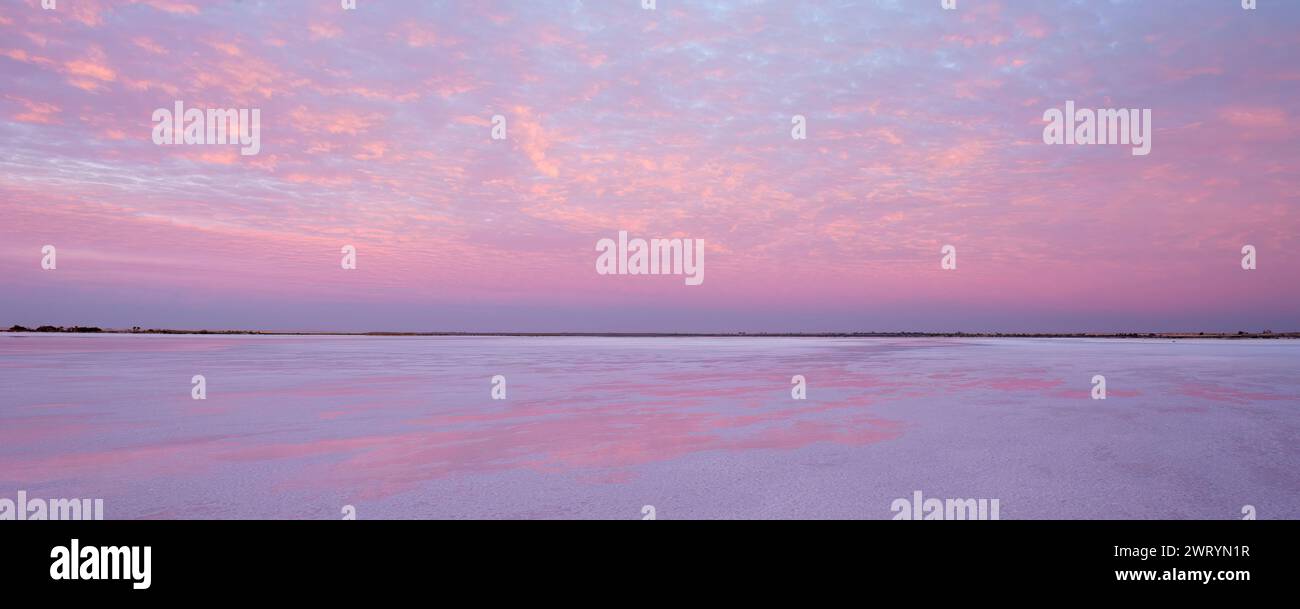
x=406 y=427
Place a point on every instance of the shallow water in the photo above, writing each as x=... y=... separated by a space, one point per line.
x=405 y=427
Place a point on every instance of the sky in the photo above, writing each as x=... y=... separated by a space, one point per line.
x=924 y=128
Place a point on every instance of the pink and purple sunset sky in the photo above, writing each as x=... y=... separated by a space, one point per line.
x=924 y=129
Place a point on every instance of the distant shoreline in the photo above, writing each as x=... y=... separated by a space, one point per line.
x=1146 y=335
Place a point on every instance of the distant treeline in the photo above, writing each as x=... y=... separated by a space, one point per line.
x=134 y=330
x=56 y=329
x=1160 y=335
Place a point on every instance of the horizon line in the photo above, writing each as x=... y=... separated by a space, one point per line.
x=47 y=329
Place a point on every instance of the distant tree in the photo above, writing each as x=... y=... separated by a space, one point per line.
x=19 y=329
x=49 y=329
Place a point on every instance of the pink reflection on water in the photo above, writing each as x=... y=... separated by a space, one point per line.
x=311 y=421
x=558 y=440
x=580 y=431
